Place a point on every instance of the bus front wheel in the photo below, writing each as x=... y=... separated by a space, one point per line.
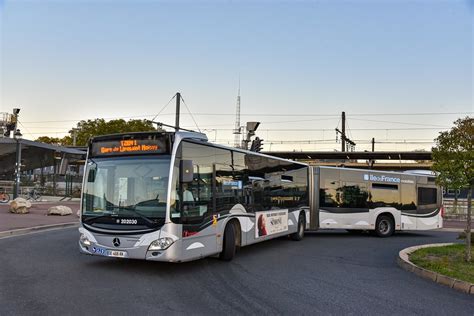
x=228 y=245
x=384 y=226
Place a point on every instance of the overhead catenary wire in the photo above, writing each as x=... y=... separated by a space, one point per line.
x=332 y=129
x=191 y=114
x=26 y=129
x=163 y=108
x=334 y=115
x=289 y=118
x=266 y=114
x=396 y=122
x=317 y=141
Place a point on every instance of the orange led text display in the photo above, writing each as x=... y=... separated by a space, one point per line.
x=129 y=145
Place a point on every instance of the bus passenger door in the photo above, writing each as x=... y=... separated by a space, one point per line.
x=228 y=199
x=199 y=225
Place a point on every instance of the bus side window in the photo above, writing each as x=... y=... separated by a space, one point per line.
x=227 y=188
x=427 y=200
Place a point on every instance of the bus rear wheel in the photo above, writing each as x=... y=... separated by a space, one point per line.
x=228 y=245
x=300 y=231
x=384 y=226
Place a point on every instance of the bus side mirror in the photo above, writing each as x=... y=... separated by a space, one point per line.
x=186 y=171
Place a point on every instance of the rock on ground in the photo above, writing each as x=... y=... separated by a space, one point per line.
x=19 y=206
x=59 y=210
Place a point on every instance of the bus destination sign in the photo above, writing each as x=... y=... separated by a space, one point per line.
x=128 y=146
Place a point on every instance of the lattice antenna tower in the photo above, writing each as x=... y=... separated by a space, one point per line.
x=237 y=128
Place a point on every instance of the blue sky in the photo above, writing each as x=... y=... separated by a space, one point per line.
x=71 y=60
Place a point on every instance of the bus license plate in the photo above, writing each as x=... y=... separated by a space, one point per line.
x=109 y=253
x=116 y=253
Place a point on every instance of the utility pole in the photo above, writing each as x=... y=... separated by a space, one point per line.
x=74 y=135
x=344 y=138
x=17 y=136
x=343 y=134
x=178 y=100
x=373 y=144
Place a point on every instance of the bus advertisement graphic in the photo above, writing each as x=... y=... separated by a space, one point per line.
x=270 y=223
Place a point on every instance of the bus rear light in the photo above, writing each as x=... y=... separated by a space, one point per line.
x=442 y=211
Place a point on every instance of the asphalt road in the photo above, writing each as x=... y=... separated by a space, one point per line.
x=326 y=273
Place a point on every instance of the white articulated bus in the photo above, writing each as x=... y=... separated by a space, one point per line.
x=383 y=202
x=176 y=197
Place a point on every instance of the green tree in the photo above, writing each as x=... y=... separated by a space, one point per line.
x=453 y=159
x=49 y=140
x=91 y=128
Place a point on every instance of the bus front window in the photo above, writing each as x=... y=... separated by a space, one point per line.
x=126 y=187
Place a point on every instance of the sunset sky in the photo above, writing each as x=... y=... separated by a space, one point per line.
x=401 y=70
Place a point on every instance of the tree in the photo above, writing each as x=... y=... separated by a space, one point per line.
x=453 y=159
x=49 y=140
x=91 y=128
x=96 y=127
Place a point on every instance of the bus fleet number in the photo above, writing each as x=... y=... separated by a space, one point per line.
x=128 y=221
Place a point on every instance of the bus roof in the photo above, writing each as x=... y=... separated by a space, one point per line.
x=186 y=135
x=408 y=172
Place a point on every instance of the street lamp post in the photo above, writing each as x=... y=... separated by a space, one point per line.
x=17 y=136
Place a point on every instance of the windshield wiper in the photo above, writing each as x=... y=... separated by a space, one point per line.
x=92 y=218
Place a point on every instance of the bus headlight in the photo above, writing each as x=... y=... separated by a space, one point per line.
x=84 y=241
x=161 y=244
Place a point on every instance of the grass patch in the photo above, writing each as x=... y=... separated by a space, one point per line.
x=447 y=260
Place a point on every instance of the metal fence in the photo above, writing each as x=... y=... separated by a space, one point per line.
x=53 y=185
x=456 y=209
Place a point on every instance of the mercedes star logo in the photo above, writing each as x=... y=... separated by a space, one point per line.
x=116 y=242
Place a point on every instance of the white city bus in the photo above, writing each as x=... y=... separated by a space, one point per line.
x=383 y=202
x=176 y=197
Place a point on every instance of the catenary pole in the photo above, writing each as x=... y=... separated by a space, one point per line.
x=178 y=103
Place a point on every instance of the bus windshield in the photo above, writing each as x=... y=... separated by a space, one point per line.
x=126 y=188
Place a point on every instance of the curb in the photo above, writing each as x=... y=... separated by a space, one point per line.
x=451 y=230
x=405 y=263
x=24 y=231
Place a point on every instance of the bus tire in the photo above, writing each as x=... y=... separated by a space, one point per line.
x=384 y=226
x=228 y=244
x=300 y=230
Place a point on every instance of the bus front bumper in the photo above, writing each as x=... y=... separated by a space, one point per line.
x=128 y=247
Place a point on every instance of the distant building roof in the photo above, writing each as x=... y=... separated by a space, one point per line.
x=33 y=154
